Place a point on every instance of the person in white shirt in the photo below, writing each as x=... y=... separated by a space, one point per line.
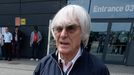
x=8 y=44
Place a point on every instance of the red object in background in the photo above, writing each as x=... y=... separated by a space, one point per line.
x=17 y=21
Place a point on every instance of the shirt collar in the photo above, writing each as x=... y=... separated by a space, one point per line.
x=74 y=59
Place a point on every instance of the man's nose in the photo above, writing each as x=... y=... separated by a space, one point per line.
x=64 y=33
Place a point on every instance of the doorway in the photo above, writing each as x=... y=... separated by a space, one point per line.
x=117 y=43
x=98 y=34
x=109 y=40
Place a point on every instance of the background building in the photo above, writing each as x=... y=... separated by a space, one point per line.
x=26 y=14
x=112 y=31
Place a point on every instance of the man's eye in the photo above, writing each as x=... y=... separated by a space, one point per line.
x=58 y=29
x=71 y=27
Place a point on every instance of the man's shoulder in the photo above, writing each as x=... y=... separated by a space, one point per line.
x=94 y=60
x=46 y=58
x=45 y=61
x=97 y=64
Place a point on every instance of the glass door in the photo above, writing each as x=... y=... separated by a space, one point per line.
x=117 y=42
x=97 y=38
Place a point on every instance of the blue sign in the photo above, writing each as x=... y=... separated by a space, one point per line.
x=112 y=9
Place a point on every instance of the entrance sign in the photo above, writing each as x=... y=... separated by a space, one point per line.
x=125 y=8
x=112 y=9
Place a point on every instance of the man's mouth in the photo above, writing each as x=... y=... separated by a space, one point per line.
x=64 y=43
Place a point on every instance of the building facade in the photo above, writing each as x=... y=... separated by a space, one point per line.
x=26 y=14
x=112 y=30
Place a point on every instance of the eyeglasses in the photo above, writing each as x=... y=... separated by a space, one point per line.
x=70 y=28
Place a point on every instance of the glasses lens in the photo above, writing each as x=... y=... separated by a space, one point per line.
x=57 y=29
x=70 y=28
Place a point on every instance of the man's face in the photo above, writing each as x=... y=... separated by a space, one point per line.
x=6 y=29
x=68 y=37
x=16 y=29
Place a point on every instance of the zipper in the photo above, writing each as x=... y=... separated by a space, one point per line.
x=58 y=66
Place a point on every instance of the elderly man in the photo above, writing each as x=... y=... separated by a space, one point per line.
x=71 y=28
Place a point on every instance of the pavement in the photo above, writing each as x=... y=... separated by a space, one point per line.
x=120 y=69
x=26 y=67
x=17 y=67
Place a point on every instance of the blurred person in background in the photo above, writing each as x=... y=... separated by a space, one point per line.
x=17 y=41
x=35 y=40
x=8 y=44
x=1 y=44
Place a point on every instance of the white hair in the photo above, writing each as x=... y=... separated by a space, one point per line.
x=74 y=12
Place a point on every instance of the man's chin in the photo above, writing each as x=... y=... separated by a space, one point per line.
x=64 y=50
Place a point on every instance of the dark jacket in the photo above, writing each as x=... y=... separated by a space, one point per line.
x=20 y=36
x=86 y=64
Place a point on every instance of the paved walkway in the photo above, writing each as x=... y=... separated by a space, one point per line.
x=121 y=69
x=17 y=67
x=26 y=67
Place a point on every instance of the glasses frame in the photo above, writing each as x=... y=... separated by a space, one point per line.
x=69 y=28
